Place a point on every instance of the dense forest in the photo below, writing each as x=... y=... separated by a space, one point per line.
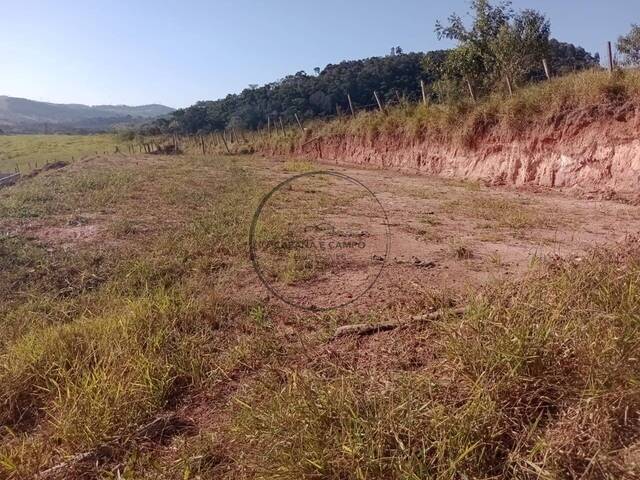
x=488 y=51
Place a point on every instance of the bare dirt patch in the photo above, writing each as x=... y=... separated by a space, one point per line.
x=67 y=235
x=453 y=235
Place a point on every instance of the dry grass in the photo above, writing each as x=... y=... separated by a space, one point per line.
x=540 y=380
x=500 y=212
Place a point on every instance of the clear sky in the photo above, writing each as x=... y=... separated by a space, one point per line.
x=177 y=52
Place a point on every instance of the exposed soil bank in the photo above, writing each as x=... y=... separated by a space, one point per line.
x=594 y=150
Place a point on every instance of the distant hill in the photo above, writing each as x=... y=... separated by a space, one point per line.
x=145 y=111
x=21 y=115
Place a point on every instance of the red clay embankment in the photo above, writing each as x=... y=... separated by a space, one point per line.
x=592 y=150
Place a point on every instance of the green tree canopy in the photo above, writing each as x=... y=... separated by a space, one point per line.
x=498 y=43
x=629 y=46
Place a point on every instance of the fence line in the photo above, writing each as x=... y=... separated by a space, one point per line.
x=229 y=136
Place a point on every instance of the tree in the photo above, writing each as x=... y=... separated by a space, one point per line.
x=629 y=46
x=566 y=58
x=520 y=45
x=498 y=43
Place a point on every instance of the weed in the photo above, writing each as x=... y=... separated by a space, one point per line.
x=462 y=252
x=298 y=166
x=503 y=212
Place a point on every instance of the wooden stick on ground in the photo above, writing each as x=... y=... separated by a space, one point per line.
x=163 y=426
x=371 y=328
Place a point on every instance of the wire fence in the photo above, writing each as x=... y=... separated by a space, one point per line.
x=232 y=140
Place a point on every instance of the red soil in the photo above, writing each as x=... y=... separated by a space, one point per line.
x=593 y=150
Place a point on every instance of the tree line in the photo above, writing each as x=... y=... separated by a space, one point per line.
x=499 y=47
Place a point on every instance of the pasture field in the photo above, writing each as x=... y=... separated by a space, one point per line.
x=24 y=153
x=139 y=343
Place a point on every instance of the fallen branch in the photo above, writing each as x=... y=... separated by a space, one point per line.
x=309 y=141
x=72 y=461
x=371 y=328
x=9 y=179
x=438 y=314
x=364 y=328
x=157 y=430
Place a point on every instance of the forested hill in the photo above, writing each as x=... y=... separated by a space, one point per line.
x=309 y=96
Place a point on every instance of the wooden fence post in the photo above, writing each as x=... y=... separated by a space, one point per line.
x=546 y=68
x=353 y=114
x=224 y=140
x=269 y=125
x=610 y=51
x=281 y=125
x=473 y=97
x=204 y=149
x=509 y=85
x=424 y=93
x=375 y=94
x=298 y=120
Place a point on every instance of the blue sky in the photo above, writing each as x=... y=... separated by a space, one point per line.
x=178 y=52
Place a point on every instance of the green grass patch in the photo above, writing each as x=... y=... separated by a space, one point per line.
x=499 y=211
x=298 y=166
x=99 y=339
x=26 y=152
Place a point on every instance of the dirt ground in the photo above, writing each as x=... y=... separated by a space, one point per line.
x=454 y=235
